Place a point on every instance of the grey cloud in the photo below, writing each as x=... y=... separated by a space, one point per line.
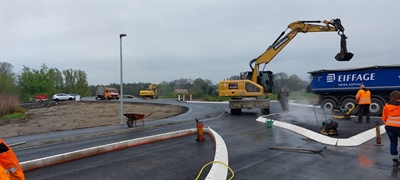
x=210 y=40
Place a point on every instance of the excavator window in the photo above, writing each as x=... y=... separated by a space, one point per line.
x=265 y=79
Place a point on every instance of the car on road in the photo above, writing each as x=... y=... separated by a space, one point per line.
x=73 y=96
x=62 y=97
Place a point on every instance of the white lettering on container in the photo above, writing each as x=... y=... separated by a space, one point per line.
x=351 y=77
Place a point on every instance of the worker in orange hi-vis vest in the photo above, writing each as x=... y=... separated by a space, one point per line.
x=3 y=174
x=363 y=99
x=9 y=162
x=391 y=118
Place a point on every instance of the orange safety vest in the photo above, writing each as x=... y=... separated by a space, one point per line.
x=363 y=97
x=3 y=174
x=391 y=113
x=9 y=161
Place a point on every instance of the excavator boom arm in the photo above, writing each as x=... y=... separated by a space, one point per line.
x=334 y=25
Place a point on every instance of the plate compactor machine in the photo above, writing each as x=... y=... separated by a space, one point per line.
x=341 y=112
x=329 y=127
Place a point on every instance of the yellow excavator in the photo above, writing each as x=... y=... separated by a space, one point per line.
x=254 y=87
x=150 y=92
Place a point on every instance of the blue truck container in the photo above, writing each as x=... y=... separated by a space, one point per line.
x=338 y=87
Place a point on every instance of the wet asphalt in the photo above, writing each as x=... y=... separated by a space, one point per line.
x=306 y=118
x=248 y=143
x=179 y=158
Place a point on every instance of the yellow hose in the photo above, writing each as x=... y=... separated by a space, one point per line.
x=201 y=170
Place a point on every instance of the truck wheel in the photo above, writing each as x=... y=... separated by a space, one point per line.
x=265 y=111
x=350 y=103
x=328 y=104
x=236 y=111
x=376 y=107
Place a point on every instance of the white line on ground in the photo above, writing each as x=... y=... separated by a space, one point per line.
x=352 y=141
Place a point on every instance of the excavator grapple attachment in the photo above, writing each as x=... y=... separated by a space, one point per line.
x=344 y=56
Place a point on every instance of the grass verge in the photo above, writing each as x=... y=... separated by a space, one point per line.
x=13 y=116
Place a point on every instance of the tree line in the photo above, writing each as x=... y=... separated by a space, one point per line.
x=52 y=80
x=45 y=80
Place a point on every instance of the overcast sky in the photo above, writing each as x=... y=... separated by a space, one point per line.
x=168 y=40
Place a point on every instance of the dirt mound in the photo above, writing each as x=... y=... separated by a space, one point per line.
x=68 y=115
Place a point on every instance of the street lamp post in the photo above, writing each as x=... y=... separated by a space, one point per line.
x=121 y=96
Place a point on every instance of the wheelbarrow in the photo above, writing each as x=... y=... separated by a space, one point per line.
x=133 y=117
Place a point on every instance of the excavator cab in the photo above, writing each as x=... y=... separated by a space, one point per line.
x=264 y=79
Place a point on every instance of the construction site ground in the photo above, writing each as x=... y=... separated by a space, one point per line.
x=70 y=115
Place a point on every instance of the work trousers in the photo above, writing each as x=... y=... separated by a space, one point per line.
x=363 y=111
x=284 y=105
x=393 y=134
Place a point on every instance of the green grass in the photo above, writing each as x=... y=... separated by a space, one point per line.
x=215 y=98
x=273 y=97
x=13 y=116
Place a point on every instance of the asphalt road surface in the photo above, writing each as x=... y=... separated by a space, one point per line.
x=305 y=117
x=248 y=143
x=180 y=158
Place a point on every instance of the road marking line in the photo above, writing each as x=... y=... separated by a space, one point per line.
x=355 y=140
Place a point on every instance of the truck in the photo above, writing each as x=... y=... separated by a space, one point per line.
x=108 y=93
x=41 y=98
x=150 y=92
x=254 y=87
x=338 y=87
